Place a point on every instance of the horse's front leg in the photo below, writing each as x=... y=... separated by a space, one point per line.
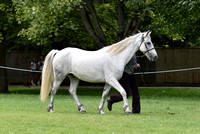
x=104 y=95
x=114 y=83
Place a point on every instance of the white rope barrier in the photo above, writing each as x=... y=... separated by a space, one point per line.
x=170 y=71
x=155 y=72
x=17 y=69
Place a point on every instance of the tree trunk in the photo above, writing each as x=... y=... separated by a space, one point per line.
x=91 y=23
x=3 y=79
x=93 y=27
x=120 y=20
x=95 y=21
x=87 y=23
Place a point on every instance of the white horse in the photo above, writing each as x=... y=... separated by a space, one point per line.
x=102 y=66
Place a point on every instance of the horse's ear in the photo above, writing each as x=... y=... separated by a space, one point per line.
x=148 y=33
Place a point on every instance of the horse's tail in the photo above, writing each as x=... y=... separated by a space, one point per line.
x=47 y=75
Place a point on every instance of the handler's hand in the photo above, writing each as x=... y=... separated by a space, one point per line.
x=137 y=65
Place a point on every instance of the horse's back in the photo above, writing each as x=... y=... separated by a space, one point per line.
x=86 y=65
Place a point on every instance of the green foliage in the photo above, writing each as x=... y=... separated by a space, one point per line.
x=9 y=28
x=1 y=37
x=57 y=24
x=107 y=15
x=7 y=19
x=52 y=22
x=176 y=20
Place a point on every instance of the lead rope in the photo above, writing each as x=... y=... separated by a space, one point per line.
x=141 y=73
x=142 y=76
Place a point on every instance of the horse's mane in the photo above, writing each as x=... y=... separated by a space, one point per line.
x=120 y=46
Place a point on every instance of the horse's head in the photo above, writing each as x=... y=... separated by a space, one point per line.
x=146 y=46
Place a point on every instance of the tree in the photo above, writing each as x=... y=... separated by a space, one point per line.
x=55 y=21
x=176 y=23
x=54 y=24
x=105 y=19
x=106 y=22
x=6 y=19
x=9 y=29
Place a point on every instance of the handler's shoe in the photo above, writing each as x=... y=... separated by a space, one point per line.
x=135 y=111
x=109 y=104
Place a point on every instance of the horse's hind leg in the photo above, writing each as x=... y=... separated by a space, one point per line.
x=72 y=90
x=59 y=77
x=54 y=88
x=104 y=95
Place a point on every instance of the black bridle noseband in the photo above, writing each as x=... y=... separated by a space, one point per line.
x=145 y=47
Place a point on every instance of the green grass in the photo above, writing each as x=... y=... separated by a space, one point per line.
x=168 y=111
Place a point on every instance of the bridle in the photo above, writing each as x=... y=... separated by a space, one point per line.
x=142 y=40
x=142 y=73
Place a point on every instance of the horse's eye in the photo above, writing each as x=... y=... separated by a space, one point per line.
x=148 y=43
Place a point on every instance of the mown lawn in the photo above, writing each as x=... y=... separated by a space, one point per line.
x=164 y=111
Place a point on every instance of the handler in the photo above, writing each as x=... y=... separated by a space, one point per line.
x=128 y=82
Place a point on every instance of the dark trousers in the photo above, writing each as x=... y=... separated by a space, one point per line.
x=129 y=83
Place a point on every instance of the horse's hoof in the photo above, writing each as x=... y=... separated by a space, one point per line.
x=50 y=109
x=128 y=112
x=100 y=111
x=83 y=111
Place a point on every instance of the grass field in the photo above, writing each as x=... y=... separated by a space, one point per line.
x=167 y=111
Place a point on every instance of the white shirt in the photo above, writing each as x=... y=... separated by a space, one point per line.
x=34 y=66
x=41 y=64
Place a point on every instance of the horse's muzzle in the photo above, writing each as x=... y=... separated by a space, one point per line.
x=154 y=58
